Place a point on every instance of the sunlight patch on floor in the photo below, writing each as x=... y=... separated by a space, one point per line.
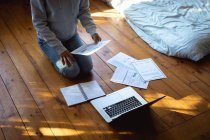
x=187 y=105
x=108 y=14
x=60 y=132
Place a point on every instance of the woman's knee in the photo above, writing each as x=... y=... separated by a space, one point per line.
x=71 y=72
x=87 y=68
x=68 y=71
x=85 y=63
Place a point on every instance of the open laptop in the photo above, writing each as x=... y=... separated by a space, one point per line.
x=119 y=102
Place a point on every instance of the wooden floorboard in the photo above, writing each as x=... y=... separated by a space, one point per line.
x=1 y=135
x=32 y=106
x=10 y=121
x=194 y=129
x=24 y=102
x=49 y=106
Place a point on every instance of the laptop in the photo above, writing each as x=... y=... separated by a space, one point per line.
x=119 y=102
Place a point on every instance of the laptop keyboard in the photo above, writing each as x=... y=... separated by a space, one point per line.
x=122 y=106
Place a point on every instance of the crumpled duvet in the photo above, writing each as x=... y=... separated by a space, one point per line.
x=178 y=28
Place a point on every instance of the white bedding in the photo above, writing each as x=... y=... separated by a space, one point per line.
x=174 y=27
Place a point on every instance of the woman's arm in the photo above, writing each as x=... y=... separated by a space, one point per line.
x=39 y=19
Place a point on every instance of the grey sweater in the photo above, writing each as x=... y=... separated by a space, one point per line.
x=56 y=20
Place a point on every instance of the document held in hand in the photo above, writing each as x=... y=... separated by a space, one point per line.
x=89 y=49
x=81 y=92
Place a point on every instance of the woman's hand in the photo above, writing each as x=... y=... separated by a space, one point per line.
x=67 y=58
x=96 y=38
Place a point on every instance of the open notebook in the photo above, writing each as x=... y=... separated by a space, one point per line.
x=81 y=92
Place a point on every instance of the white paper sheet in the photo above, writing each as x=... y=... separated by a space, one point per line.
x=92 y=90
x=89 y=49
x=72 y=95
x=129 y=77
x=122 y=60
x=148 y=69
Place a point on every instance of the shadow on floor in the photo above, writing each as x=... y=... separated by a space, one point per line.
x=139 y=120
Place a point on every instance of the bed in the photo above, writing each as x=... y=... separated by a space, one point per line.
x=178 y=28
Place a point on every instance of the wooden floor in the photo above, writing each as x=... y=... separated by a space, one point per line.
x=32 y=107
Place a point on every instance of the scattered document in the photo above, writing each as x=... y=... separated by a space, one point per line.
x=148 y=69
x=133 y=72
x=89 y=49
x=122 y=60
x=129 y=77
x=81 y=92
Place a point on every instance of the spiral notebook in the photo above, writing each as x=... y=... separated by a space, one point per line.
x=81 y=92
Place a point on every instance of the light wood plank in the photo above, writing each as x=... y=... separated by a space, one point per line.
x=51 y=109
x=10 y=121
x=200 y=69
x=1 y=135
x=195 y=129
x=27 y=108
